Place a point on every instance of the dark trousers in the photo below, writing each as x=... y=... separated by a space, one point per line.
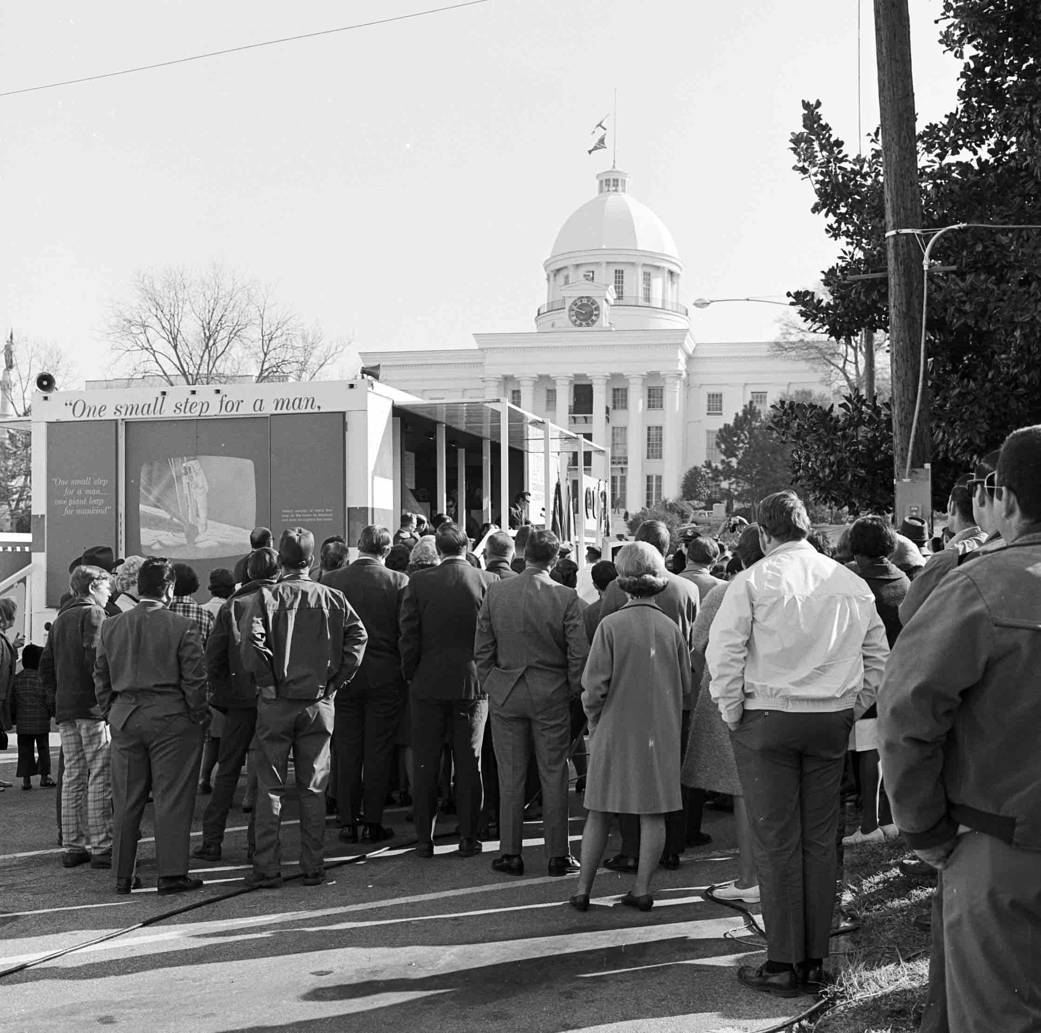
x=790 y=765
x=991 y=923
x=34 y=755
x=158 y=755
x=366 y=724
x=462 y=722
x=303 y=728
x=490 y=783
x=934 y=1016
x=239 y=726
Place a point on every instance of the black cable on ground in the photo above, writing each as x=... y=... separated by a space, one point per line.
x=194 y=905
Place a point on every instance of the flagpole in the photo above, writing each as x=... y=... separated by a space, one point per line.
x=614 y=139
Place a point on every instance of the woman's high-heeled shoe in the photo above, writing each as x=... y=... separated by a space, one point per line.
x=580 y=901
x=643 y=902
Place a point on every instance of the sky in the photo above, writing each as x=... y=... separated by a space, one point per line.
x=402 y=184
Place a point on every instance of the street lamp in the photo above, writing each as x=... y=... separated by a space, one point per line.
x=705 y=302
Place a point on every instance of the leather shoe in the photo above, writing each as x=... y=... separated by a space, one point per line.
x=101 y=860
x=509 y=864
x=566 y=865
x=124 y=886
x=177 y=884
x=257 y=881
x=780 y=984
x=469 y=847
x=73 y=858
x=642 y=902
x=207 y=852
x=314 y=878
x=425 y=849
x=349 y=834
x=812 y=978
x=579 y=901
x=376 y=833
x=670 y=862
x=621 y=863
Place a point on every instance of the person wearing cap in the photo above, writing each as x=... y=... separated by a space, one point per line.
x=302 y=642
x=67 y=675
x=232 y=691
x=150 y=684
x=959 y=714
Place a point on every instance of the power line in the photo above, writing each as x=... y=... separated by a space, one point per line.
x=247 y=46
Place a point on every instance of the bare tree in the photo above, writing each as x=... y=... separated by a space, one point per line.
x=206 y=328
x=842 y=362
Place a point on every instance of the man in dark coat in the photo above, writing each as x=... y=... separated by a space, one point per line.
x=302 y=642
x=150 y=680
x=233 y=692
x=530 y=649
x=67 y=676
x=438 y=619
x=369 y=708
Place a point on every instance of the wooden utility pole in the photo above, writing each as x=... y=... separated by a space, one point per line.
x=903 y=211
x=867 y=347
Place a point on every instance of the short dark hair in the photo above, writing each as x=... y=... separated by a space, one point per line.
x=1019 y=469
x=397 y=558
x=450 y=540
x=748 y=549
x=542 y=547
x=603 y=573
x=440 y=518
x=565 y=572
x=222 y=582
x=653 y=532
x=31 y=655
x=155 y=576
x=260 y=538
x=84 y=578
x=186 y=581
x=262 y=564
x=499 y=544
x=374 y=540
x=701 y=549
x=295 y=548
x=961 y=499
x=871 y=536
x=407 y=518
x=783 y=516
x=334 y=555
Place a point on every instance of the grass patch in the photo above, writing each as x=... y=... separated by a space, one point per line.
x=882 y=974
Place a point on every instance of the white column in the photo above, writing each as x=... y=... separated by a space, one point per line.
x=527 y=390
x=674 y=434
x=460 y=487
x=492 y=387
x=634 y=494
x=504 y=466
x=441 y=494
x=486 y=480
x=561 y=418
x=600 y=409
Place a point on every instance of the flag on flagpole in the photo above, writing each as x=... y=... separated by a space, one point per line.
x=600 y=145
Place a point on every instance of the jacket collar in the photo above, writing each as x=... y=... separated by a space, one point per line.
x=363 y=558
x=252 y=586
x=296 y=575
x=881 y=570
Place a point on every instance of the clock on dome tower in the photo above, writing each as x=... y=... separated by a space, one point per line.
x=587 y=304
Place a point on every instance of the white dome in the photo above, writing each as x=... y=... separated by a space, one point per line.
x=614 y=221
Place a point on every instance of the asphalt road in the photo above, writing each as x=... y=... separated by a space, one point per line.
x=390 y=942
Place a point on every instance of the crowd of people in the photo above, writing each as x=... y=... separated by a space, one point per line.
x=765 y=666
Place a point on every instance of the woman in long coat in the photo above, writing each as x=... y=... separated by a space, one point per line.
x=634 y=682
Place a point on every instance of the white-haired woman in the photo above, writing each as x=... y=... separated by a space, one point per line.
x=634 y=682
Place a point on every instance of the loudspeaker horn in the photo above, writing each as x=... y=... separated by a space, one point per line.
x=371 y=371
x=46 y=383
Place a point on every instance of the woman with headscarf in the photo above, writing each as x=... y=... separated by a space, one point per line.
x=634 y=682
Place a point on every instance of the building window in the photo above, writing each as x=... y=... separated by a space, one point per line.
x=656 y=397
x=619 y=481
x=646 y=287
x=711 y=450
x=515 y=397
x=587 y=453
x=551 y=399
x=588 y=275
x=567 y=278
x=620 y=446
x=654 y=442
x=619 y=398
x=652 y=495
x=714 y=403
x=759 y=400
x=583 y=400
x=619 y=282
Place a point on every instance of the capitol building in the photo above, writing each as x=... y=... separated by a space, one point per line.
x=613 y=354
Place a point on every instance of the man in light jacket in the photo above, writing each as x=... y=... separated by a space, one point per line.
x=796 y=651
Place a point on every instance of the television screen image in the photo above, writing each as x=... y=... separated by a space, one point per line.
x=194 y=507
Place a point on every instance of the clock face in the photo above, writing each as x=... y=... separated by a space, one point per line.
x=584 y=311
